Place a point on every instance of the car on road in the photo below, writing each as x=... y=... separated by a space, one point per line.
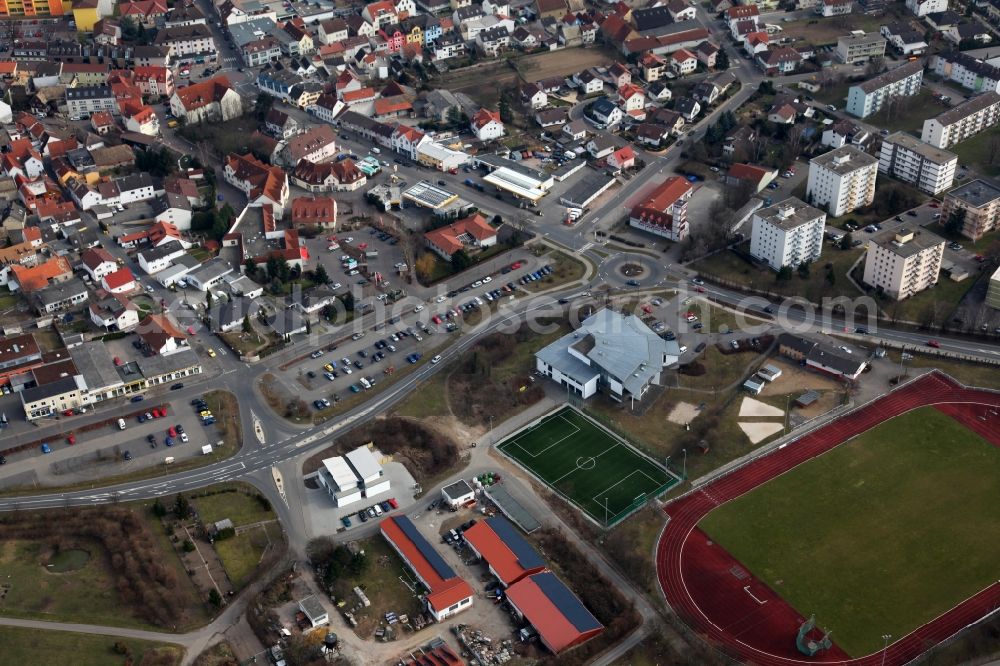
x=211 y=352
x=126 y=455
x=436 y=359
x=934 y=343
x=632 y=283
x=317 y=353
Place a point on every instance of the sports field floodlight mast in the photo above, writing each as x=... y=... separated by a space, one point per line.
x=885 y=647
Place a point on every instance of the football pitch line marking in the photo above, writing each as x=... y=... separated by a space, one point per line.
x=599 y=497
x=577 y=467
x=529 y=433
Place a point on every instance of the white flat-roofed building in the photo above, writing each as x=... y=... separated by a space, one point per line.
x=351 y=477
x=902 y=263
x=787 y=234
x=993 y=291
x=963 y=121
x=458 y=493
x=842 y=180
x=868 y=97
x=860 y=47
x=905 y=157
x=617 y=352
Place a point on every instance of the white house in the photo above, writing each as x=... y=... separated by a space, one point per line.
x=486 y=125
x=98 y=262
x=842 y=180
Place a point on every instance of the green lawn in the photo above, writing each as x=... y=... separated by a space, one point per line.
x=240 y=507
x=936 y=303
x=585 y=463
x=879 y=535
x=731 y=268
x=980 y=246
x=975 y=152
x=911 y=114
x=30 y=646
x=241 y=554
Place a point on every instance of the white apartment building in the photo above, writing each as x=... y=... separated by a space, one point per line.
x=963 y=121
x=867 y=98
x=980 y=200
x=902 y=263
x=842 y=180
x=860 y=47
x=907 y=158
x=788 y=233
x=83 y=101
x=968 y=72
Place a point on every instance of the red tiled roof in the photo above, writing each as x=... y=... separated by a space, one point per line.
x=201 y=94
x=748 y=172
x=118 y=279
x=314 y=210
x=264 y=178
x=446 y=238
x=484 y=117
x=384 y=106
x=558 y=616
x=358 y=95
x=36 y=277
x=656 y=209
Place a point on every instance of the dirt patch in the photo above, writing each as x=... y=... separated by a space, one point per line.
x=281 y=401
x=751 y=407
x=758 y=432
x=796 y=380
x=682 y=413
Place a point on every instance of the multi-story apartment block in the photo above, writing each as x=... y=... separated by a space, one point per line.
x=981 y=201
x=925 y=7
x=787 y=234
x=860 y=47
x=963 y=121
x=35 y=7
x=901 y=263
x=85 y=100
x=842 y=180
x=968 y=72
x=867 y=98
x=905 y=157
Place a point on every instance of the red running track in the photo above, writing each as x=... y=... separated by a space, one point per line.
x=688 y=567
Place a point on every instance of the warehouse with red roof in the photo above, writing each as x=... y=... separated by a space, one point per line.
x=447 y=594
x=560 y=619
x=507 y=554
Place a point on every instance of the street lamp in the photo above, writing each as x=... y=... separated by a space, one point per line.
x=885 y=647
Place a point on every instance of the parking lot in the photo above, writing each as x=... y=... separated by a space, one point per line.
x=112 y=450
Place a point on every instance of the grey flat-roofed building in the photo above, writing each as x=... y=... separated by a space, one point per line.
x=610 y=350
x=95 y=364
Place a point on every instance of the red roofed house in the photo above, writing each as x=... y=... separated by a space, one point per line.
x=211 y=100
x=155 y=81
x=683 y=61
x=471 y=232
x=757 y=176
x=486 y=125
x=342 y=176
x=261 y=183
x=23 y=159
x=620 y=75
x=507 y=554
x=392 y=108
x=120 y=282
x=143 y=11
x=143 y=121
x=558 y=616
x=631 y=98
x=98 y=262
x=315 y=211
x=782 y=115
x=161 y=335
x=33 y=278
x=664 y=213
x=102 y=122
x=621 y=159
x=447 y=593
x=756 y=42
x=406 y=140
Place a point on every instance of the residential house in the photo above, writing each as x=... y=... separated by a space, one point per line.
x=261 y=183
x=688 y=107
x=486 y=125
x=779 y=60
x=664 y=212
x=753 y=176
x=604 y=113
x=213 y=100
x=683 y=62
x=470 y=233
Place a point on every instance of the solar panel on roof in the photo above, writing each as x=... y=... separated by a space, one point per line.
x=527 y=556
x=432 y=556
x=564 y=599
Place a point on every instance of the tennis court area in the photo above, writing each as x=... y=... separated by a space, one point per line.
x=586 y=464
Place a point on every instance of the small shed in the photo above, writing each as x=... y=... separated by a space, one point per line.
x=806 y=399
x=224 y=527
x=458 y=493
x=754 y=385
x=769 y=373
x=314 y=610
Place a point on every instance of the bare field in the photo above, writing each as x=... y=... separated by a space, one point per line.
x=484 y=83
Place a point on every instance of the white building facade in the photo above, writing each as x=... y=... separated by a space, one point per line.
x=842 y=180
x=905 y=157
x=788 y=234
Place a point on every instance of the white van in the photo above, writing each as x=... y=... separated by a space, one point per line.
x=376 y=150
x=121 y=424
